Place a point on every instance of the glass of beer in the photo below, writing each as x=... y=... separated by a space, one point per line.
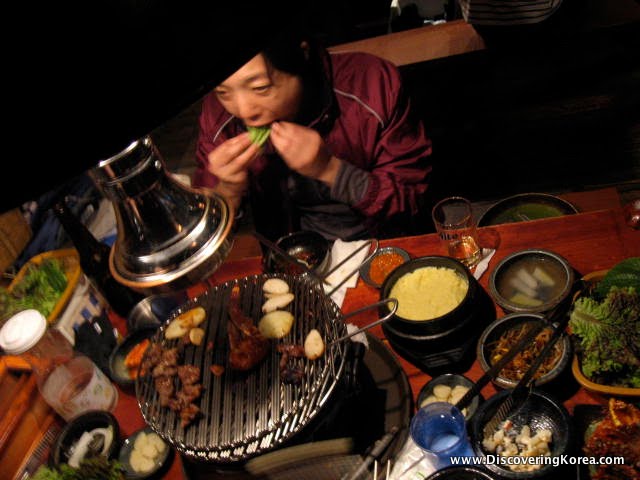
x=454 y=222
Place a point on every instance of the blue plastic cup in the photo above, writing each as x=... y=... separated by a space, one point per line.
x=439 y=430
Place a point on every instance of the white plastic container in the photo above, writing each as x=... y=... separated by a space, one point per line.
x=69 y=381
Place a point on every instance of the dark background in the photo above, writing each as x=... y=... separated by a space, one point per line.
x=85 y=79
x=553 y=106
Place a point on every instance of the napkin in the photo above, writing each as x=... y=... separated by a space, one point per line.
x=487 y=255
x=339 y=251
x=411 y=463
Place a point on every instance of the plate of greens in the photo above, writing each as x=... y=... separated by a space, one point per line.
x=524 y=207
x=605 y=327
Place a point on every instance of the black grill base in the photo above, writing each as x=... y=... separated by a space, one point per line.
x=359 y=410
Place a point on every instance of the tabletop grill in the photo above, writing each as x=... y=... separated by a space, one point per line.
x=249 y=413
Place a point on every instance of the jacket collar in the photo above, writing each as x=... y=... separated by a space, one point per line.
x=329 y=109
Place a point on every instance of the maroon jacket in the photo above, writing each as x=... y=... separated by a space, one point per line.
x=365 y=123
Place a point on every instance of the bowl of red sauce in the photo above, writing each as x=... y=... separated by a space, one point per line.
x=385 y=261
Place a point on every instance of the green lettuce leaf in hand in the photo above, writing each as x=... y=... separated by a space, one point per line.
x=259 y=135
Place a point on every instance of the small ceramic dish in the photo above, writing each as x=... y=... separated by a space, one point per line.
x=531 y=281
x=96 y=432
x=118 y=371
x=140 y=455
x=504 y=328
x=308 y=247
x=540 y=411
x=455 y=385
x=378 y=268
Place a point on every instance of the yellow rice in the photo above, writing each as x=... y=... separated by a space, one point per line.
x=428 y=293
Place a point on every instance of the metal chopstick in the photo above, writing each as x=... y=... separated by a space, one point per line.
x=521 y=391
x=289 y=258
x=372 y=324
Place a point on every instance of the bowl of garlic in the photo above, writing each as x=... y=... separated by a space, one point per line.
x=450 y=388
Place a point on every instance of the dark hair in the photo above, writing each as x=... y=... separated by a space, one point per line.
x=297 y=53
x=286 y=53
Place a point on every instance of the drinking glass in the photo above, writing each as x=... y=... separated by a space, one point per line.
x=439 y=430
x=454 y=222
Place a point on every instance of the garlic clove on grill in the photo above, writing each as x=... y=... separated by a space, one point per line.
x=276 y=302
x=275 y=286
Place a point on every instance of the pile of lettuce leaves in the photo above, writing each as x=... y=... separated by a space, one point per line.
x=605 y=321
x=40 y=288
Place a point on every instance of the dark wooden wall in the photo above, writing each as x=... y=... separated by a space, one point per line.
x=541 y=109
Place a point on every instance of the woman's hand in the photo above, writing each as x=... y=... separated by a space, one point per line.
x=229 y=162
x=304 y=151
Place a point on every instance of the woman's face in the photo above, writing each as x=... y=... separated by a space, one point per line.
x=259 y=94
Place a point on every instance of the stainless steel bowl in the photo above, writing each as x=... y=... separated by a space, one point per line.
x=154 y=310
x=540 y=411
x=451 y=380
x=305 y=246
x=514 y=294
x=497 y=328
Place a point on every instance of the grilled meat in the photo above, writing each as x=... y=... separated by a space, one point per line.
x=247 y=346
x=189 y=374
x=186 y=395
x=291 y=349
x=618 y=434
x=167 y=364
x=152 y=357
x=290 y=374
x=188 y=414
x=165 y=388
x=164 y=367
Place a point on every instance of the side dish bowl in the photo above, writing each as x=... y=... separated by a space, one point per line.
x=452 y=381
x=531 y=281
x=540 y=411
x=385 y=260
x=153 y=465
x=576 y=369
x=308 y=247
x=506 y=326
x=118 y=371
x=524 y=207
x=70 y=439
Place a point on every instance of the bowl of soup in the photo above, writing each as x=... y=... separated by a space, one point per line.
x=531 y=281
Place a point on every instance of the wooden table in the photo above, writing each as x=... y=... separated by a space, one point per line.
x=590 y=241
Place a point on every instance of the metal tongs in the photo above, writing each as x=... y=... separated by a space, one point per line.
x=557 y=312
x=391 y=303
x=323 y=279
x=518 y=396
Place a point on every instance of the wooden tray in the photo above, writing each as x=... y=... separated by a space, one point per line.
x=70 y=261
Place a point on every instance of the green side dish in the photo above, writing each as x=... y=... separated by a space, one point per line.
x=531 y=211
